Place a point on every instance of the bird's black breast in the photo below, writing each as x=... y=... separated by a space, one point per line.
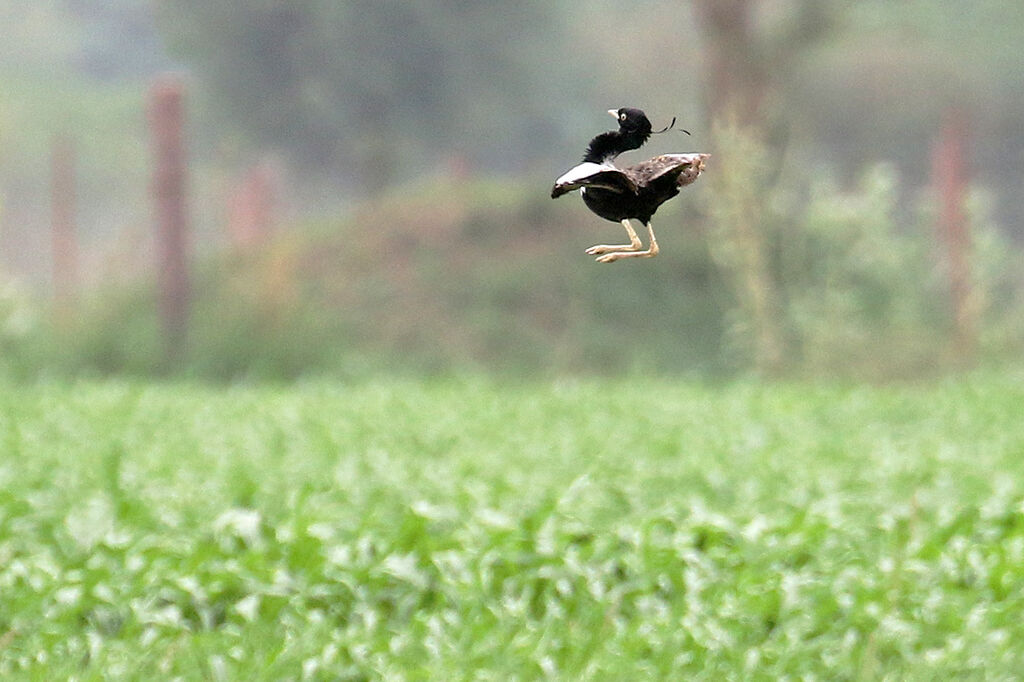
x=614 y=206
x=618 y=206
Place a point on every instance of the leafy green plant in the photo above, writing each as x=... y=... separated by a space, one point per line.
x=845 y=281
x=468 y=529
x=864 y=295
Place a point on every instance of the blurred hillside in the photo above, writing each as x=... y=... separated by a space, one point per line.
x=410 y=148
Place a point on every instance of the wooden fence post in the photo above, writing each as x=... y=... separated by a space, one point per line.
x=252 y=206
x=64 y=240
x=166 y=120
x=950 y=177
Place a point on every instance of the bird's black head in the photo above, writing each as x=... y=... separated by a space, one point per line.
x=632 y=121
x=634 y=129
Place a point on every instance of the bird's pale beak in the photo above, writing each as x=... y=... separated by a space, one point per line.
x=614 y=113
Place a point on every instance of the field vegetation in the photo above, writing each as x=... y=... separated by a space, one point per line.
x=473 y=529
x=414 y=433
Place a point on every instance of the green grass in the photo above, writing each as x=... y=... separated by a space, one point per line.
x=467 y=529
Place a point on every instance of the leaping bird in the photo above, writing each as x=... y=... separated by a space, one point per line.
x=634 y=192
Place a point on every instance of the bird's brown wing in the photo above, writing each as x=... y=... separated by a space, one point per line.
x=678 y=169
x=593 y=175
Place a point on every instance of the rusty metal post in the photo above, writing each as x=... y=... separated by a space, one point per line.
x=63 y=201
x=166 y=120
x=950 y=176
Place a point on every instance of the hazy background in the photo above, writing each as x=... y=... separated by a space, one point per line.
x=368 y=186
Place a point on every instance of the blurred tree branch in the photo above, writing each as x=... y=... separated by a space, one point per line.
x=745 y=62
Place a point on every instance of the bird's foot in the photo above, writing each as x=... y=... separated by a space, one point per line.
x=609 y=248
x=614 y=253
x=617 y=255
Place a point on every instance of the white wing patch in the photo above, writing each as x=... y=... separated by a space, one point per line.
x=583 y=171
x=588 y=174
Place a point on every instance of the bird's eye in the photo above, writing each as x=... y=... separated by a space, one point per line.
x=622 y=116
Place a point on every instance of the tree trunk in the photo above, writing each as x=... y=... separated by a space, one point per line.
x=736 y=80
x=736 y=89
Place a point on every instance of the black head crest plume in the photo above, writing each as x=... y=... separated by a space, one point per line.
x=669 y=127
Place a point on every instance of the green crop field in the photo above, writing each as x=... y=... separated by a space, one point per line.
x=469 y=529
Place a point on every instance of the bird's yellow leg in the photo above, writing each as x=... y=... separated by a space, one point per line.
x=634 y=243
x=651 y=251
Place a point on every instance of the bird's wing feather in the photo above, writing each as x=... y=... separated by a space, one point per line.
x=668 y=166
x=593 y=175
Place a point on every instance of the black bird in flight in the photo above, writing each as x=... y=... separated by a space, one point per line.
x=634 y=192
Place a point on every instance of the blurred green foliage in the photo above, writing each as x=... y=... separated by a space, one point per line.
x=451 y=276
x=846 y=281
x=812 y=253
